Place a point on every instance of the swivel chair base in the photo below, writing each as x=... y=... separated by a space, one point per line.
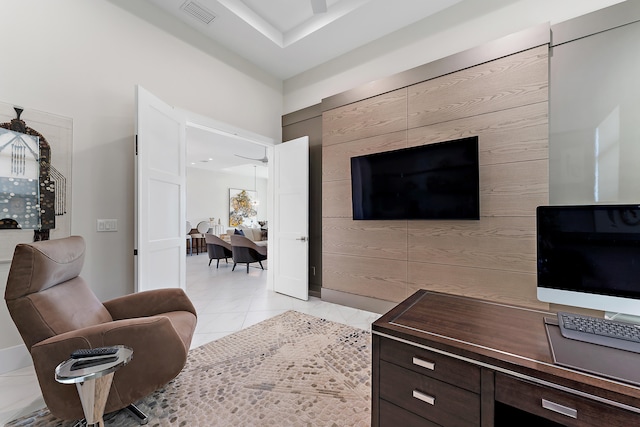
x=132 y=409
x=138 y=414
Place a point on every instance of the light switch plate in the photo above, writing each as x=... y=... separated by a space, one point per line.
x=107 y=225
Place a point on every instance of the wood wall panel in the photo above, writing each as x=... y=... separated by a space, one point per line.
x=502 y=84
x=505 y=104
x=336 y=158
x=495 y=285
x=514 y=189
x=336 y=199
x=515 y=135
x=373 y=239
x=384 y=279
x=379 y=115
x=507 y=244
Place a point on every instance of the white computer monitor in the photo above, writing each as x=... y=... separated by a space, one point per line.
x=589 y=256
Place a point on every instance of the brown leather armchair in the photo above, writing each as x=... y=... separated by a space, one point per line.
x=217 y=249
x=246 y=251
x=56 y=312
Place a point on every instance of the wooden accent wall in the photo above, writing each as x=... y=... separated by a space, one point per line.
x=505 y=103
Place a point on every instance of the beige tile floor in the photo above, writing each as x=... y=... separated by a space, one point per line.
x=226 y=302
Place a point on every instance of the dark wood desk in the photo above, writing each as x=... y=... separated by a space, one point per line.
x=444 y=360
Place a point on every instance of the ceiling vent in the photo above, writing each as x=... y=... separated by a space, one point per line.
x=199 y=12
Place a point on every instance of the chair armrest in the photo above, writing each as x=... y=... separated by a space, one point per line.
x=245 y=242
x=95 y=336
x=262 y=250
x=134 y=333
x=149 y=303
x=211 y=239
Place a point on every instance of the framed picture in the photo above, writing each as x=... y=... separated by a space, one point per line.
x=26 y=135
x=19 y=180
x=242 y=207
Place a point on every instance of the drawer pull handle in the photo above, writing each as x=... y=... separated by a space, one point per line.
x=424 y=397
x=424 y=363
x=560 y=409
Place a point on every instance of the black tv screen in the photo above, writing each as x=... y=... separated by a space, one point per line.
x=434 y=181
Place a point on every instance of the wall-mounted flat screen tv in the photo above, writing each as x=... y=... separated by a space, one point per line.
x=434 y=181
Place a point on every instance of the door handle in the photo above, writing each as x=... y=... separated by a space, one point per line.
x=304 y=239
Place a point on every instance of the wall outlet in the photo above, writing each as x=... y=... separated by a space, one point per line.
x=107 y=225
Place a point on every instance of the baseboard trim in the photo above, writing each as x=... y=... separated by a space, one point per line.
x=315 y=290
x=357 y=301
x=14 y=358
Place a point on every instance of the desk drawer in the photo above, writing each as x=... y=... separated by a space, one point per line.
x=432 y=364
x=562 y=407
x=429 y=398
x=394 y=416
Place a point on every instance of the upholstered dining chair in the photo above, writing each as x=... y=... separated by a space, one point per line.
x=56 y=313
x=217 y=249
x=246 y=251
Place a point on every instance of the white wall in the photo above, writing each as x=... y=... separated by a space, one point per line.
x=208 y=195
x=468 y=24
x=81 y=59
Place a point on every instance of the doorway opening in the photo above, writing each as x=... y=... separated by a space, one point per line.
x=222 y=163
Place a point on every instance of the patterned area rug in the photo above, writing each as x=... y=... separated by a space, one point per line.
x=291 y=370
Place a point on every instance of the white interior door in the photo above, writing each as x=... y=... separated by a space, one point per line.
x=291 y=219
x=160 y=233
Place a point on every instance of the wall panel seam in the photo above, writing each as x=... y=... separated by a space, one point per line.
x=471 y=116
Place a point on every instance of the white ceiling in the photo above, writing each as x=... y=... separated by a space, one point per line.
x=212 y=151
x=285 y=37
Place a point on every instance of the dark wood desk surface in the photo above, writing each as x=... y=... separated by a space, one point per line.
x=504 y=338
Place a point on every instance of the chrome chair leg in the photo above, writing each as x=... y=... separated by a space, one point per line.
x=137 y=413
